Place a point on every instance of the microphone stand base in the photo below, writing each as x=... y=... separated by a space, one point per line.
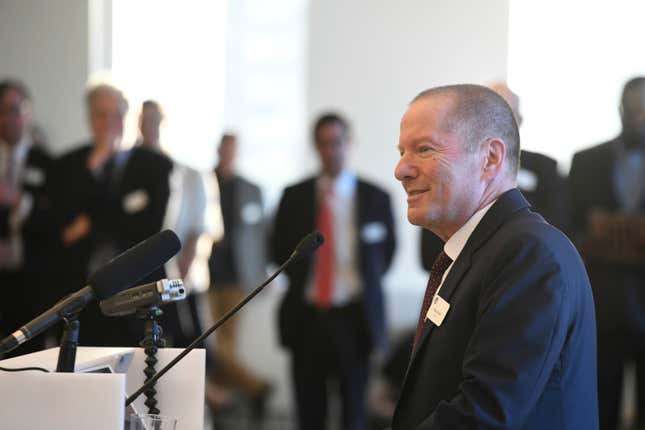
x=68 y=344
x=150 y=344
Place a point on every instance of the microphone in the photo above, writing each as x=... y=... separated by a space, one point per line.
x=306 y=247
x=144 y=296
x=119 y=273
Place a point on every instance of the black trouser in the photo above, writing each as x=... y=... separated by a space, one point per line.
x=612 y=352
x=335 y=348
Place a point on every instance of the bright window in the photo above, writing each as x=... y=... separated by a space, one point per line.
x=568 y=61
x=175 y=53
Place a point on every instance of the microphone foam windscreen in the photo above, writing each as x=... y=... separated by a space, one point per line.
x=309 y=244
x=127 y=268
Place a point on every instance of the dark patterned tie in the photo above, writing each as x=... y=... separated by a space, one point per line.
x=439 y=266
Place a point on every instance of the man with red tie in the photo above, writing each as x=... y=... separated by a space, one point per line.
x=332 y=316
x=506 y=335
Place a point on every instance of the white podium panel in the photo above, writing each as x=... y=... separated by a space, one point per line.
x=180 y=392
x=61 y=401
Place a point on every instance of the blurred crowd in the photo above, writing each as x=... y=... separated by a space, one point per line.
x=62 y=218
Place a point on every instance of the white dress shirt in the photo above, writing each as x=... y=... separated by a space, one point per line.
x=346 y=285
x=12 y=167
x=457 y=241
x=185 y=215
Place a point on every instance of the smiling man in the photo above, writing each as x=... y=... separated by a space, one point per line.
x=506 y=332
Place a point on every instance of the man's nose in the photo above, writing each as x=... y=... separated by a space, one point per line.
x=404 y=169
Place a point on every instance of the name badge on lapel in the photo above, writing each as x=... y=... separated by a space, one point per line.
x=438 y=310
x=34 y=176
x=251 y=213
x=135 y=201
x=373 y=232
x=527 y=180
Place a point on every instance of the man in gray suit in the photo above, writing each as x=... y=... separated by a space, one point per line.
x=237 y=264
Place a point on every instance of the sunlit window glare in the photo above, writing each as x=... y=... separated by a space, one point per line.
x=173 y=52
x=568 y=62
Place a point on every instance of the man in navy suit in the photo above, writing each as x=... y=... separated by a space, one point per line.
x=506 y=336
x=332 y=315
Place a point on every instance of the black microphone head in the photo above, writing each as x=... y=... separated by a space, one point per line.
x=127 y=268
x=309 y=244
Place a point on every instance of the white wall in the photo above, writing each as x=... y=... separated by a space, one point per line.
x=570 y=77
x=44 y=43
x=369 y=58
x=265 y=89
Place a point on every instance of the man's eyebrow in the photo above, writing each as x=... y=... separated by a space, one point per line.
x=417 y=141
x=423 y=139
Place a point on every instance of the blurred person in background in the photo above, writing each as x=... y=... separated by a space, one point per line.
x=186 y=216
x=26 y=234
x=332 y=316
x=607 y=195
x=105 y=200
x=237 y=265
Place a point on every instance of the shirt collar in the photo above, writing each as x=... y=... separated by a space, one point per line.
x=343 y=184
x=19 y=151
x=457 y=241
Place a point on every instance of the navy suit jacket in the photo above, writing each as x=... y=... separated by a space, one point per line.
x=295 y=218
x=517 y=348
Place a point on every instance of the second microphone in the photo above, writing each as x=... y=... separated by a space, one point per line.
x=144 y=296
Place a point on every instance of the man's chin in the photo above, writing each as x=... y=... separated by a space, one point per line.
x=415 y=217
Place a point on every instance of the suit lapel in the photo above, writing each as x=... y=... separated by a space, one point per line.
x=361 y=218
x=507 y=205
x=459 y=269
x=310 y=195
x=608 y=170
x=307 y=204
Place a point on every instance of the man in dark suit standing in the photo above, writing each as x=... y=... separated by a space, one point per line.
x=607 y=194
x=332 y=315
x=106 y=200
x=25 y=230
x=506 y=335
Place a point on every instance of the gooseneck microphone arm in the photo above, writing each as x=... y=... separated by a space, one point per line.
x=306 y=246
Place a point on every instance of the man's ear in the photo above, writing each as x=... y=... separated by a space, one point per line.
x=494 y=156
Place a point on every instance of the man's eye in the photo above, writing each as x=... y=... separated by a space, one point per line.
x=424 y=148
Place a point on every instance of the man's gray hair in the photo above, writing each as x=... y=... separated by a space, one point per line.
x=96 y=90
x=479 y=113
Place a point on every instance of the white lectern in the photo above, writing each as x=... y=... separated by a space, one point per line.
x=94 y=396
